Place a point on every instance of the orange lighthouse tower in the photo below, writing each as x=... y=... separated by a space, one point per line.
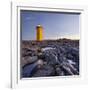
x=39 y=33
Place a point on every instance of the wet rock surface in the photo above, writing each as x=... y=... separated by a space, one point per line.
x=50 y=58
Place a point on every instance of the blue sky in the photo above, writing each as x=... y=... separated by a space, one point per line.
x=55 y=25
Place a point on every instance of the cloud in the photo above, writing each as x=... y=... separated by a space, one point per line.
x=71 y=37
x=29 y=18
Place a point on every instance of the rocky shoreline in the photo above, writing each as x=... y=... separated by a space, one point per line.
x=50 y=58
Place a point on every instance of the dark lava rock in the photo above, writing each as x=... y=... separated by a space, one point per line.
x=28 y=60
x=46 y=70
x=51 y=59
x=28 y=70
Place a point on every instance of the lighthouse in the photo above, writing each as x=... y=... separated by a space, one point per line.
x=39 y=33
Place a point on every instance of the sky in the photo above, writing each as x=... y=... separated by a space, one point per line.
x=55 y=25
